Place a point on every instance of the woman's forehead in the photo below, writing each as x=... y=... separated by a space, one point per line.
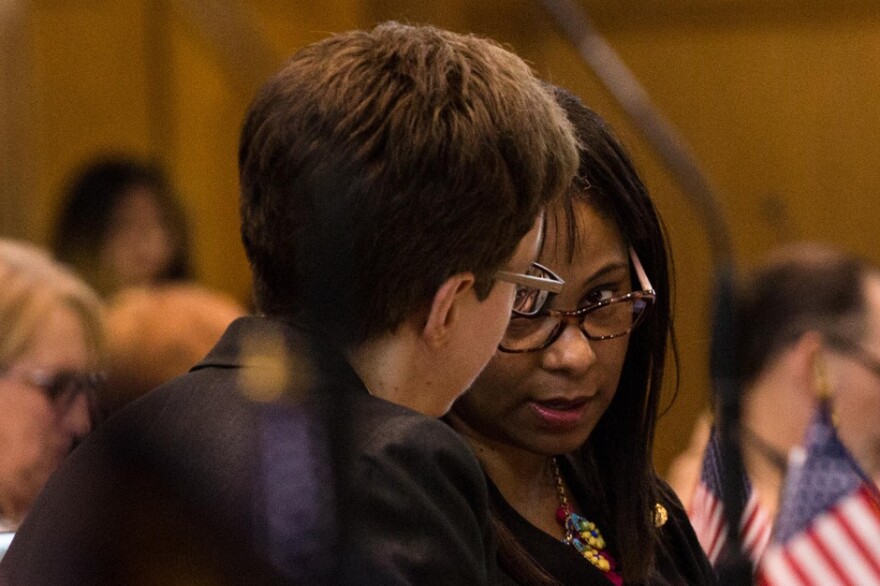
x=581 y=232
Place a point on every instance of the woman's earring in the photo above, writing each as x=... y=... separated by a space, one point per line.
x=823 y=389
x=820 y=377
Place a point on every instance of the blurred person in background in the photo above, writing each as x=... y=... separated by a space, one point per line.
x=155 y=334
x=51 y=340
x=809 y=324
x=121 y=225
x=809 y=313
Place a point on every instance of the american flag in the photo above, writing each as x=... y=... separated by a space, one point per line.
x=828 y=528
x=706 y=511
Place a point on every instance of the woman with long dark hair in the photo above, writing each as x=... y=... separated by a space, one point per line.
x=563 y=417
x=121 y=225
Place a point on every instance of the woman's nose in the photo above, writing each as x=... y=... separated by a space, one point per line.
x=571 y=352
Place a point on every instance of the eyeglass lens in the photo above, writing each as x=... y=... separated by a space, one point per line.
x=63 y=387
x=607 y=321
x=531 y=300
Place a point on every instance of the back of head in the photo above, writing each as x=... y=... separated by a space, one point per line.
x=376 y=164
x=32 y=285
x=158 y=333
x=801 y=287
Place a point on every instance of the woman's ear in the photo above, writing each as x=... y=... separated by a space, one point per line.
x=446 y=308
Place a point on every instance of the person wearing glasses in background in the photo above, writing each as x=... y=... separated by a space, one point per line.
x=51 y=337
x=562 y=419
x=392 y=191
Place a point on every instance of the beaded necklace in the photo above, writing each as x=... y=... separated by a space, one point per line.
x=581 y=534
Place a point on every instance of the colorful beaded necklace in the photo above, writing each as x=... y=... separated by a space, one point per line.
x=580 y=533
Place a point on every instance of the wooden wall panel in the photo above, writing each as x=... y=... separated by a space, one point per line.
x=207 y=115
x=16 y=96
x=90 y=87
x=777 y=99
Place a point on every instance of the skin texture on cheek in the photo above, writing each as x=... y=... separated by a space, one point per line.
x=29 y=447
x=857 y=401
x=857 y=408
x=490 y=317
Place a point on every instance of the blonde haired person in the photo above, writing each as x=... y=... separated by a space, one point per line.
x=50 y=345
x=157 y=333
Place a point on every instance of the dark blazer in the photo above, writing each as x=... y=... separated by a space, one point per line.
x=204 y=479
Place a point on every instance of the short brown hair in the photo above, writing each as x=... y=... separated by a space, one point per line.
x=376 y=164
x=801 y=287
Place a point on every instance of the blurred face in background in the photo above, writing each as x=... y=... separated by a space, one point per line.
x=37 y=429
x=856 y=379
x=138 y=246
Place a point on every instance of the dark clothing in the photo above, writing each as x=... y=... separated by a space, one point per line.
x=198 y=482
x=680 y=559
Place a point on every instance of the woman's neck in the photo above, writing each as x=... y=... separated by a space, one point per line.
x=525 y=479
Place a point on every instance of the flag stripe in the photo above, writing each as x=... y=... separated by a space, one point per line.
x=821 y=547
x=805 y=554
x=708 y=522
x=828 y=528
x=756 y=529
x=863 y=519
x=839 y=542
x=718 y=527
x=764 y=538
x=707 y=513
x=853 y=515
x=794 y=567
x=775 y=569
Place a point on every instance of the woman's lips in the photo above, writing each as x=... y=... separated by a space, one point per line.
x=559 y=413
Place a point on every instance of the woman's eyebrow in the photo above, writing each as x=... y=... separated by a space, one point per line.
x=607 y=268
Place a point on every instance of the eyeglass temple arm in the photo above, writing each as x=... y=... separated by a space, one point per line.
x=644 y=282
x=529 y=281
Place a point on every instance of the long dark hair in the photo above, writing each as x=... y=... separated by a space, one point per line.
x=617 y=457
x=90 y=198
x=619 y=451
